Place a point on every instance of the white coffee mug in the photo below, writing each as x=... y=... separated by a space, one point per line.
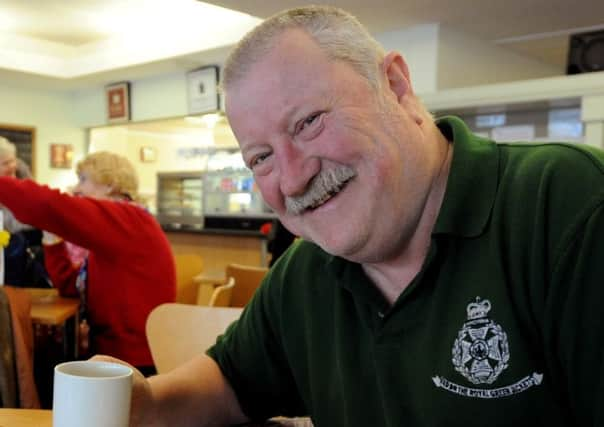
x=91 y=394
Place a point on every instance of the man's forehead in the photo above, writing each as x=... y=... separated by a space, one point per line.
x=290 y=48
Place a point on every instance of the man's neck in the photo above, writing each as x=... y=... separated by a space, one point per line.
x=392 y=276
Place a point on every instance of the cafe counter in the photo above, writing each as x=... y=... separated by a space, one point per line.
x=208 y=251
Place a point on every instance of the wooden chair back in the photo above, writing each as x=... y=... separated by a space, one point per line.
x=17 y=384
x=178 y=332
x=247 y=279
x=222 y=294
x=188 y=265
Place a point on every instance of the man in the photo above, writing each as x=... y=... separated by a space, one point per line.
x=441 y=279
x=8 y=167
x=24 y=260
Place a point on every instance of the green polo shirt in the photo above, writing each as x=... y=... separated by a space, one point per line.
x=502 y=326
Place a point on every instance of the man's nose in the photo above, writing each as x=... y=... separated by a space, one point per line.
x=296 y=168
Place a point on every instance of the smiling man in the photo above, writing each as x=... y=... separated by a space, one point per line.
x=351 y=162
x=441 y=279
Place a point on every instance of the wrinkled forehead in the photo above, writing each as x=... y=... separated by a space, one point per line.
x=293 y=72
x=293 y=50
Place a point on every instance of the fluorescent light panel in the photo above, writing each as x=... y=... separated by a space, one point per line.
x=137 y=32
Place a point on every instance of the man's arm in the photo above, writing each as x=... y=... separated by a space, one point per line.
x=574 y=325
x=195 y=394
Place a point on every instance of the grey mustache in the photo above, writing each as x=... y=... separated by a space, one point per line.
x=324 y=184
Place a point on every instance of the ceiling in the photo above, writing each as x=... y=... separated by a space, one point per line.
x=66 y=44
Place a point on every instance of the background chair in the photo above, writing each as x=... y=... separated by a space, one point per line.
x=247 y=279
x=222 y=295
x=188 y=265
x=17 y=383
x=178 y=332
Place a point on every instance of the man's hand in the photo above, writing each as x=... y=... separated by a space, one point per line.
x=141 y=406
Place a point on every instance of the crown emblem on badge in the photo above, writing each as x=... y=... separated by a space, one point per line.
x=478 y=309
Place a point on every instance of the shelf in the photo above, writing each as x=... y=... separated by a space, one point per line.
x=545 y=90
x=583 y=92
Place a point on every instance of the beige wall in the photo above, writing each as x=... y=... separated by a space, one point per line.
x=51 y=114
x=466 y=61
x=177 y=149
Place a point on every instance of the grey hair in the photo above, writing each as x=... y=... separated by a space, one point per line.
x=339 y=34
x=23 y=171
x=7 y=147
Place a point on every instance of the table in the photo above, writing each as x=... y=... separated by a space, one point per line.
x=43 y=418
x=25 y=418
x=55 y=322
x=48 y=308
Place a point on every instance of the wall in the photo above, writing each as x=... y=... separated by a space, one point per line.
x=419 y=47
x=52 y=115
x=151 y=98
x=178 y=148
x=466 y=61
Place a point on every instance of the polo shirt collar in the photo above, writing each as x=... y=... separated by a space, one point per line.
x=472 y=181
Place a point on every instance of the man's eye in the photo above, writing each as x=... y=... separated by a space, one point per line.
x=308 y=121
x=256 y=160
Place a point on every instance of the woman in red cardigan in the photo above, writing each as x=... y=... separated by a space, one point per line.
x=130 y=267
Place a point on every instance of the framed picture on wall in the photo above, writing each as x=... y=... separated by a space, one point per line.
x=117 y=97
x=202 y=90
x=61 y=156
x=148 y=154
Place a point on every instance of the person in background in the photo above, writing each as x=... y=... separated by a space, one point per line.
x=23 y=255
x=8 y=167
x=279 y=240
x=130 y=268
x=8 y=157
x=441 y=279
x=22 y=171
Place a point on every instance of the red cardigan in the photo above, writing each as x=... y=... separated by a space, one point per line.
x=130 y=266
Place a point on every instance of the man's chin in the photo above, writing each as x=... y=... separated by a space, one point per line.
x=336 y=248
x=292 y=223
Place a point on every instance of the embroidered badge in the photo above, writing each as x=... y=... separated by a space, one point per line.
x=481 y=353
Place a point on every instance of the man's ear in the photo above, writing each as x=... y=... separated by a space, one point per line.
x=396 y=71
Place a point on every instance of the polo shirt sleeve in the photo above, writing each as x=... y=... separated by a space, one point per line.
x=574 y=323
x=252 y=358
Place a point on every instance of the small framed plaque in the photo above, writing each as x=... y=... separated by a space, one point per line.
x=118 y=102
x=148 y=154
x=202 y=90
x=61 y=156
